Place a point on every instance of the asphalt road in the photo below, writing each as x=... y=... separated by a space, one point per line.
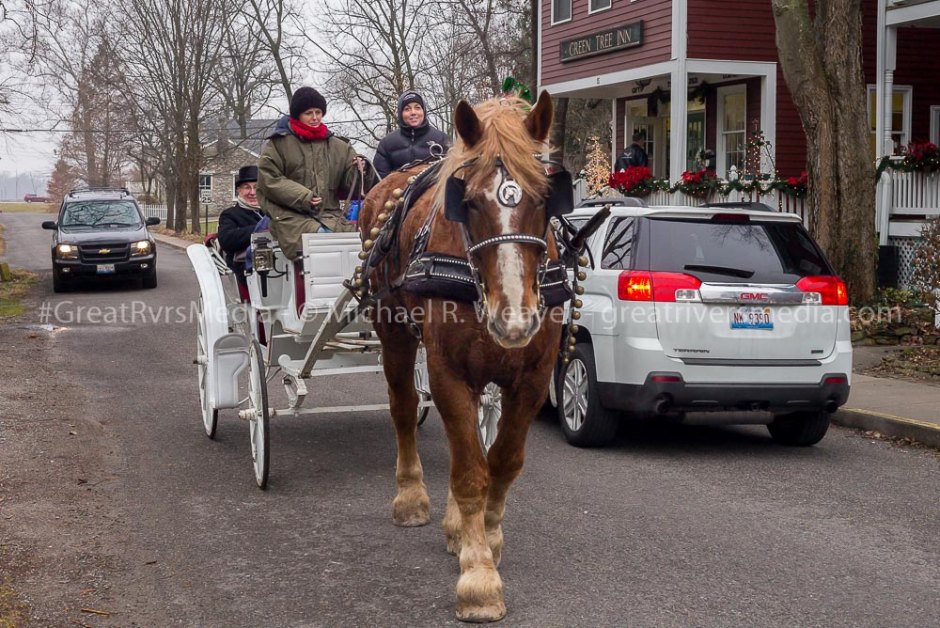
x=686 y=525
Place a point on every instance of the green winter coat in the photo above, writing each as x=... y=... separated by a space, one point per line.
x=291 y=172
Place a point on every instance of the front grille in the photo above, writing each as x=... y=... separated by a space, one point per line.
x=104 y=253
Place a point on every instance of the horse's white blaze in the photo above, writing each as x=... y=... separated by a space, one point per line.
x=509 y=259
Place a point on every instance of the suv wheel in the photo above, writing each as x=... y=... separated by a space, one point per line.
x=583 y=420
x=59 y=283
x=150 y=280
x=800 y=429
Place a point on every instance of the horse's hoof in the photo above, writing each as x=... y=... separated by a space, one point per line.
x=481 y=614
x=480 y=596
x=410 y=514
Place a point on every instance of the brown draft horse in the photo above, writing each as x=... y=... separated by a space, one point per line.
x=515 y=346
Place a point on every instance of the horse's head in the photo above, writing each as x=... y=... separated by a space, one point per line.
x=497 y=187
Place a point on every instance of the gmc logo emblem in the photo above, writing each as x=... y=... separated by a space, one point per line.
x=754 y=296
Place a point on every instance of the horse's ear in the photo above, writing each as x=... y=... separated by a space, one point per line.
x=467 y=124
x=539 y=120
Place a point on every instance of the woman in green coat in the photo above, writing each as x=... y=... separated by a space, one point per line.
x=303 y=171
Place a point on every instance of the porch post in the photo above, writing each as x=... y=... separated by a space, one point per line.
x=678 y=119
x=891 y=44
x=768 y=117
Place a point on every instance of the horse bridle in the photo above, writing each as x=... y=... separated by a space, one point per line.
x=558 y=201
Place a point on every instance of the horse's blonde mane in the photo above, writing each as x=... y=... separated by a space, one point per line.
x=504 y=137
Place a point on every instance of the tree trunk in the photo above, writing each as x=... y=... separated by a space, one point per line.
x=556 y=140
x=822 y=65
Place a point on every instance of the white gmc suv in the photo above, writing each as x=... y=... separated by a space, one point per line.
x=730 y=306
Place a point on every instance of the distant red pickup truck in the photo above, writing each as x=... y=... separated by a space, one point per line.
x=36 y=198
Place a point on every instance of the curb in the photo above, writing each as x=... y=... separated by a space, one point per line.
x=889 y=424
x=175 y=243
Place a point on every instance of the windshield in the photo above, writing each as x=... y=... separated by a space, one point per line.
x=768 y=252
x=111 y=214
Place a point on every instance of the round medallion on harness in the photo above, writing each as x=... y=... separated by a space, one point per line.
x=509 y=193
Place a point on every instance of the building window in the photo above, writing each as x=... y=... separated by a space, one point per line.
x=732 y=128
x=205 y=184
x=900 y=119
x=598 y=5
x=561 y=11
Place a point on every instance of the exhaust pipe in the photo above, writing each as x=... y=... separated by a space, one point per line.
x=662 y=405
x=831 y=406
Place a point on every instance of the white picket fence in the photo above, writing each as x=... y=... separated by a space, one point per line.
x=154 y=211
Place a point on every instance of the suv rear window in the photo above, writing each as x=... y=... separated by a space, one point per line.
x=100 y=214
x=761 y=252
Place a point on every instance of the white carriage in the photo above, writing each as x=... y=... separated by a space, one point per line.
x=322 y=336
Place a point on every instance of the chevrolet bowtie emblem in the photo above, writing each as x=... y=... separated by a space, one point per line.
x=103 y=251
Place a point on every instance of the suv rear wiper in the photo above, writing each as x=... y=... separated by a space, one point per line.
x=721 y=270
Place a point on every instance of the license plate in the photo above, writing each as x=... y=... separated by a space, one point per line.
x=105 y=269
x=752 y=318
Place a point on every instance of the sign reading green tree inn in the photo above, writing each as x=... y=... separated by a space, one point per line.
x=600 y=42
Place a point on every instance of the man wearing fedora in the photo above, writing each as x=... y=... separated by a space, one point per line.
x=237 y=223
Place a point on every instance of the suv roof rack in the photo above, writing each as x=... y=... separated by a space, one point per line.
x=623 y=201
x=95 y=190
x=754 y=205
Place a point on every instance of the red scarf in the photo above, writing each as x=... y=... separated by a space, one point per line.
x=307 y=132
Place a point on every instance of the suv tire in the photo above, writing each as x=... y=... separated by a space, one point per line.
x=58 y=282
x=583 y=420
x=800 y=429
x=149 y=280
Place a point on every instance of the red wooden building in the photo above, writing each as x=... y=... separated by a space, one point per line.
x=723 y=55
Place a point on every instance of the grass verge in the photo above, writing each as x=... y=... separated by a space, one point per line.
x=12 y=610
x=20 y=206
x=12 y=291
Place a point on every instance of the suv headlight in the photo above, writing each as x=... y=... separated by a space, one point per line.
x=141 y=248
x=66 y=251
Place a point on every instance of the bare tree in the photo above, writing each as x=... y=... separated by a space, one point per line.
x=821 y=58
x=271 y=21
x=172 y=48
x=374 y=51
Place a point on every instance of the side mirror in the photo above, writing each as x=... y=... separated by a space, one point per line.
x=50 y=224
x=152 y=221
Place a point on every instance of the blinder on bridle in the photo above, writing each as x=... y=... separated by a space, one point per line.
x=558 y=201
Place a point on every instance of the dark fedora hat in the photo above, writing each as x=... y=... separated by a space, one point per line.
x=246 y=174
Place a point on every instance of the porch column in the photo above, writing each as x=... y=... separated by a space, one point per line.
x=678 y=119
x=884 y=82
x=768 y=118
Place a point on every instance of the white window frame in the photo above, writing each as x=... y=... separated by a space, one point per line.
x=234 y=191
x=908 y=93
x=199 y=183
x=570 y=12
x=599 y=9
x=720 y=163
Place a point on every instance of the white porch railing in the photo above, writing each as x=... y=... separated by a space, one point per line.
x=905 y=201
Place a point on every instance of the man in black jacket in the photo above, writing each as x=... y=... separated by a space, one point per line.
x=634 y=154
x=415 y=138
x=237 y=223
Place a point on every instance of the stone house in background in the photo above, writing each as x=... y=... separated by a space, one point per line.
x=225 y=150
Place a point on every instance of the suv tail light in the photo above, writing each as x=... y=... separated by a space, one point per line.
x=823 y=290
x=642 y=285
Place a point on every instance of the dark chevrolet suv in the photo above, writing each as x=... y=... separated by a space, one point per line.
x=101 y=232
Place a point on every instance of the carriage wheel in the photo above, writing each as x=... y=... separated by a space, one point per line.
x=258 y=407
x=421 y=383
x=423 y=412
x=210 y=416
x=488 y=414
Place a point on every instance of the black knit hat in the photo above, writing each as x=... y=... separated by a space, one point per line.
x=246 y=174
x=406 y=99
x=306 y=98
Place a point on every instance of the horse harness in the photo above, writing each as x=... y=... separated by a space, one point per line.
x=437 y=275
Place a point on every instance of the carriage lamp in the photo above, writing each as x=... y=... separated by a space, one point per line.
x=142 y=247
x=262 y=256
x=66 y=251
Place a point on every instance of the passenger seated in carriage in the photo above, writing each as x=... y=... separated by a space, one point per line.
x=416 y=138
x=303 y=171
x=237 y=223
